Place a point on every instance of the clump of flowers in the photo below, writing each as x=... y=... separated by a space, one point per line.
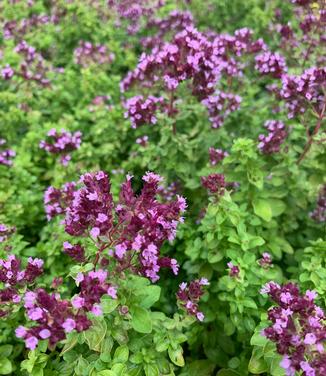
x=142 y=111
x=15 y=279
x=298 y=329
x=57 y=200
x=5 y=232
x=272 y=142
x=234 y=270
x=319 y=214
x=133 y=11
x=7 y=72
x=193 y=57
x=269 y=63
x=189 y=295
x=214 y=183
x=61 y=143
x=216 y=155
x=304 y=91
x=266 y=260
x=175 y=22
x=6 y=155
x=133 y=229
x=76 y=251
x=220 y=105
x=33 y=67
x=142 y=141
x=87 y=53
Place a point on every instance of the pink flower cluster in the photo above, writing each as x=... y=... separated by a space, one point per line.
x=5 y=232
x=175 y=22
x=33 y=67
x=269 y=63
x=76 y=251
x=193 y=57
x=319 y=214
x=142 y=111
x=234 y=270
x=14 y=278
x=298 y=329
x=134 y=10
x=17 y=29
x=189 y=295
x=266 y=260
x=55 y=317
x=135 y=227
x=301 y=92
x=216 y=155
x=92 y=287
x=214 y=183
x=220 y=105
x=7 y=72
x=57 y=200
x=61 y=143
x=87 y=53
x=272 y=142
x=6 y=155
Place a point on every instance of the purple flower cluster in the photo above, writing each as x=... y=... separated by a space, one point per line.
x=53 y=317
x=269 y=63
x=220 y=105
x=189 y=295
x=298 y=329
x=76 y=251
x=14 y=278
x=272 y=142
x=17 y=29
x=319 y=214
x=142 y=141
x=216 y=155
x=33 y=67
x=234 y=270
x=61 y=143
x=214 y=183
x=266 y=260
x=142 y=111
x=134 y=10
x=6 y=155
x=193 y=57
x=136 y=226
x=301 y=92
x=57 y=200
x=5 y=232
x=92 y=287
x=168 y=193
x=175 y=22
x=87 y=53
x=7 y=72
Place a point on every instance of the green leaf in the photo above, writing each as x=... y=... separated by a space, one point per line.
x=5 y=366
x=263 y=209
x=71 y=342
x=141 y=320
x=121 y=354
x=278 y=206
x=5 y=351
x=108 y=304
x=227 y=372
x=151 y=296
x=151 y=370
x=176 y=356
x=257 y=364
x=95 y=335
x=106 y=373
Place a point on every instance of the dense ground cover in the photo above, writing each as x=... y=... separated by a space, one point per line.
x=162 y=187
